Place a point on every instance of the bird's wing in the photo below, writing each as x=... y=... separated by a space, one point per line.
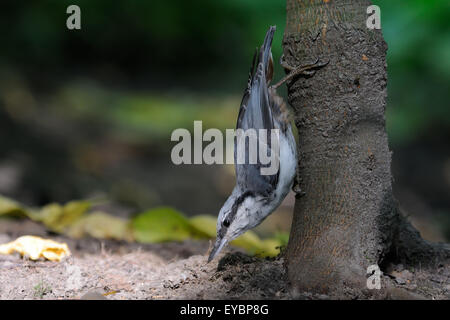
x=256 y=113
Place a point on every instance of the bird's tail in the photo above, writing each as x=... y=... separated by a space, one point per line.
x=265 y=53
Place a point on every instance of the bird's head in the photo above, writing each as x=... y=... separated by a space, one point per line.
x=236 y=216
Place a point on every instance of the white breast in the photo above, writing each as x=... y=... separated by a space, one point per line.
x=288 y=166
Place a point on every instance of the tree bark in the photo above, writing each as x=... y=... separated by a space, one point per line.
x=348 y=218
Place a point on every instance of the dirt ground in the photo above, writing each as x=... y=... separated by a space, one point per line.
x=117 y=270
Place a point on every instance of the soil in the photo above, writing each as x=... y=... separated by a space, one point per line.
x=120 y=270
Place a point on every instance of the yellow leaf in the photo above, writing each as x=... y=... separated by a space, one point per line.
x=57 y=217
x=269 y=248
x=248 y=241
x=205 y=224
x=35 y=248
x=101 y=225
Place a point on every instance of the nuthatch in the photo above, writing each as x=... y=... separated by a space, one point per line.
x=256 y=196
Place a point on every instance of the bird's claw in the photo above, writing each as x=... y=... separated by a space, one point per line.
x=306 y=70
x=297 y=190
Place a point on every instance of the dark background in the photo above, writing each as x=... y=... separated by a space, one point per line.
x=88 y=113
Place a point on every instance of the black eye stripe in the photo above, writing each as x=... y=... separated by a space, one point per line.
x=230 y=217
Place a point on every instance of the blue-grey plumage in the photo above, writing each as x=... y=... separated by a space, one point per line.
x=255 y=195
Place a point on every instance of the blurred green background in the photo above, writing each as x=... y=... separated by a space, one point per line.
x=88 y=113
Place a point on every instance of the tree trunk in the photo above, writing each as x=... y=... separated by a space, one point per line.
x=347 y=218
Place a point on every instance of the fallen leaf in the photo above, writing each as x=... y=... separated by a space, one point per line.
x=54 y=216
x=205 y=224
x=100 y=225
x=11 y=207
x=164 y=224
x=156 y=225
x=57 y=217
x=36 y=247
x=248 y=241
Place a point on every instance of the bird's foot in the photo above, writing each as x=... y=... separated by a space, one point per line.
x=306 y=70
x=297 y=190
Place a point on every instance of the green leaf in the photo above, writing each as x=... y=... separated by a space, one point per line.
x=57 y=217
x=205 y=224
x=11 y=208
x=248 y=241
x=164 y=224
x=100 y=225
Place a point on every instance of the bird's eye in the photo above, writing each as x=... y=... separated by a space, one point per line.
x=226 y=223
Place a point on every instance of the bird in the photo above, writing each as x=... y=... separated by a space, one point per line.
x=255 y=196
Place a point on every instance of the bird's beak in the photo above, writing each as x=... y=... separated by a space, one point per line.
x=220 y=243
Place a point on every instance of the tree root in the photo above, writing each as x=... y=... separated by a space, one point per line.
x=409 y=248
